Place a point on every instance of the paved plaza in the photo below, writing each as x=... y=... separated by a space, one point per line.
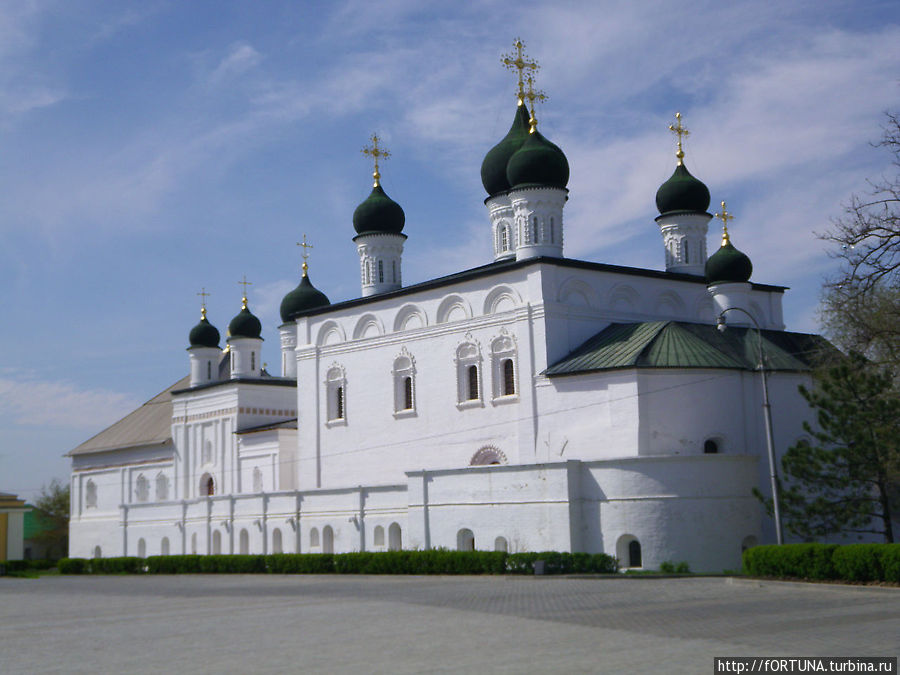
x=367 y=624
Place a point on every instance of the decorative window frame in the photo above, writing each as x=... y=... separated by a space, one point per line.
x=468 y=354
x=335 y=409
x=488 y=455
x=90 y=494
x=141 y=489
x=404 y=367
x=162 y=487
x=503 y=348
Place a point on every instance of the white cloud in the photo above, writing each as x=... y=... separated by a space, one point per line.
x=241 y=57
x=61 y=404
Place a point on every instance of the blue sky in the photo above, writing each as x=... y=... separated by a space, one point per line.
x=148 y=149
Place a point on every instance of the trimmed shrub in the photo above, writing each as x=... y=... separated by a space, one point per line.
x=858 y=562
x=120 y=565
x=73 y=566
x=300 y=563
x=806 y=561
x=562 y=563
x=173 y=564
x=889 y=554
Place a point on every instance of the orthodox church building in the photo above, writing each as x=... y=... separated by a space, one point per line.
x=536 y=402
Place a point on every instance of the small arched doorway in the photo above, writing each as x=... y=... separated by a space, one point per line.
x=327 y=539
x=276 y=541
x=465 y=540
x=207 y=486
x=217 y=543
x=142 y=548
x=164 y=546
x=501 y=545
x=394 y=537
x=245 y=542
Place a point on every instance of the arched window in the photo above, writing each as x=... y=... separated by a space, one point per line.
x=217 y=543
x=335 y=390
x=468 y=377
x=486 y=456
x=245 y=541
x=98 y=553
x=314 y=538
x=142 y=548
x=404 y=383
x=276 y=541
x=687 y=257
x=378 y=536
x=552 y=230
x=327 y=539
x=142 y=489
x=503 y=360
x=710 y=446
x=162 y=487
x=209 y=370
x=194 y=544
x=472 y=383
x=465 y=540
x=257 y=480
x=164 y=546
x=90 y=495
x=381 y=271
x=534 y=230
x=252 y=360
x=395 y=542
x=504 y=238
x=207 y=486
x=501 y=545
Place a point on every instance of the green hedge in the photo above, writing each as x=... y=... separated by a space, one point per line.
x=853 y=562
x=435 y=561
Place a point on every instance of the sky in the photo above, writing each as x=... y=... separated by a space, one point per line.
x=150 y=149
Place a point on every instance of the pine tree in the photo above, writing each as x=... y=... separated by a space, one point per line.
x=840 y=482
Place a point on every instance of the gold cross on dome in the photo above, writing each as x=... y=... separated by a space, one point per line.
x=724 y=217
x=203 y=296
x=243 y=282
x=306 y=248
x=375 y=152
x=681 y=131
x=533 y=95
x=519 y=62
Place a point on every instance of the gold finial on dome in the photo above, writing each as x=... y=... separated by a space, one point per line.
x=243 y=282
x=519 y=62
x=724 y=217
x=203 y=296
x=375 y=152
x=681 y=131
x=306 y=248
x=533 y=95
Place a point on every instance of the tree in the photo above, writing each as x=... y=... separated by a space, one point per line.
x=841 y=482
x=53 y=504
x=861 y=304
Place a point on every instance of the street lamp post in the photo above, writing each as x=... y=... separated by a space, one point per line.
x=767 y=414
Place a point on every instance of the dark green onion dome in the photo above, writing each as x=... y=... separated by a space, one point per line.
x=304 y=297
x=728 y=265
x=682 y=192
x=244 y=325
x=204 y=334
x=493 y=168
x=378 y=213
x=538 y=163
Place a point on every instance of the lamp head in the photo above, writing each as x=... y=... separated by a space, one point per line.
x=720 y=323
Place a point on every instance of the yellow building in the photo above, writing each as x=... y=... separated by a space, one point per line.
x=12 y=526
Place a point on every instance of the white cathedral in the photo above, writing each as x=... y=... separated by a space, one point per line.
x=533 y=403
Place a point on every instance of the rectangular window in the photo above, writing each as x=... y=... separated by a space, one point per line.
x=381 y=271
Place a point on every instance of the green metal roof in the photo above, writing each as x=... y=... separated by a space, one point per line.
x=676 y=344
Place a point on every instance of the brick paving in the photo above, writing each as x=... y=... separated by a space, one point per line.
x=344 y=624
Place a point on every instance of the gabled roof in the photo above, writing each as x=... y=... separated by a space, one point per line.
x=676 y=344
x=151 y=424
